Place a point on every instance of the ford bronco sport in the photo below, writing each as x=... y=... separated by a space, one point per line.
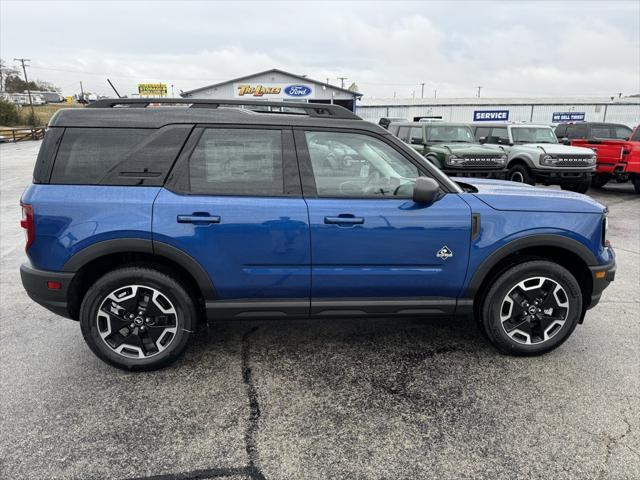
x=142 y=221
x=536 y=156
x=452 y=148
x=615 y=147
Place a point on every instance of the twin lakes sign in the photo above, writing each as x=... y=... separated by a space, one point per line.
x=560 y=117
x=152 y=89
x=272 y=90
x=491 y=115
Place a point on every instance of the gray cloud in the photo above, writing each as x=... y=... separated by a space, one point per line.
x=511 y=48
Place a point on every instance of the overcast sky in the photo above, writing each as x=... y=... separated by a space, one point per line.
x=537 y=48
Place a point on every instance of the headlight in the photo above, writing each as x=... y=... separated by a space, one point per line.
x=592 y=160
x=454 y=161
x=546 y=159
x=501 y=160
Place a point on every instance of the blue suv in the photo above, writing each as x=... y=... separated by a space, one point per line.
x=146 y=217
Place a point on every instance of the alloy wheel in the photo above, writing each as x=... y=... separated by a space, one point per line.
x=517 y=177
x=534 y=310
x=137 y=321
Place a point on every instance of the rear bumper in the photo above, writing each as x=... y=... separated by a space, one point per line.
x=35 y=281
x=479 y=173
x=602 y=276
x=553 y=177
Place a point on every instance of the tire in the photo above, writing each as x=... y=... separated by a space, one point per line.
x=581 y=187
x=599 y=181
x=520 y=174
x=636 y=183
x=148 y=341
x=511 y=296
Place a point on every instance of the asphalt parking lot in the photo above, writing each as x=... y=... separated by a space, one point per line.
x=347 y=399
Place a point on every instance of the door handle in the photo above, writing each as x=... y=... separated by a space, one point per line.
x=344 y=219
x=198 y=219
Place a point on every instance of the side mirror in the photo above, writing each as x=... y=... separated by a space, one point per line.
x=565 y=141
x=425 y=190
x=482 y=140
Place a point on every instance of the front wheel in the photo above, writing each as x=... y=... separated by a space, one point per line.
x=531 y=308
x=599 y=180
x=580 y=187
x=520 y=173
x=137 y=318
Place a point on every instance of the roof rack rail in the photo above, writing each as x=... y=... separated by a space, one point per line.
x=311 y=109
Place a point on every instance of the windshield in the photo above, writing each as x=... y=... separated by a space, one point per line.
x=444 y=133
x=533 y=135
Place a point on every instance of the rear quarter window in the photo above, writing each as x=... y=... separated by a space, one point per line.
x=117 y=156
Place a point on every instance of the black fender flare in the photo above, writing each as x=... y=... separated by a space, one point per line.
x=528 y=162
x=141 y=245
x=536 y=240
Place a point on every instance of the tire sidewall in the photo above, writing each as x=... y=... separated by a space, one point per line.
x=523 y=171
x=185 y=311
x=505 y=282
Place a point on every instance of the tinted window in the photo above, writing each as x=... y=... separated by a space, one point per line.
x=369 y=167
x=636 y=135
x=561 y=131
x=576 y=131
x=87 y=154
x=416 y=135
x=237 y=162
x=482 y=132
x=498 y=135
x=403 y=134
x=621 y=133
x=600 y=131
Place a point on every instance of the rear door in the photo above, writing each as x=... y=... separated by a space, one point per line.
x=234 y=204
x=373 y=249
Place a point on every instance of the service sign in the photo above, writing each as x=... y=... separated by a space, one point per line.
x=272 y=90
x=560 y=117
x=491 y=115
x=152 y=89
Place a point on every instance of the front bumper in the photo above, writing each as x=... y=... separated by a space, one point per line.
x=602 y=276
x=476 y=173
x=555 y=177
x=35 y=281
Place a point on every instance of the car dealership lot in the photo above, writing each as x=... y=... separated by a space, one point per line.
x=393 y=399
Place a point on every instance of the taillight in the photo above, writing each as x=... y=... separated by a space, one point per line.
x=28 y=224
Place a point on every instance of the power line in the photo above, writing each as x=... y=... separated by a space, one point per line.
x=26 y=81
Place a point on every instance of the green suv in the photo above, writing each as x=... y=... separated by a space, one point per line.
x=452 y=148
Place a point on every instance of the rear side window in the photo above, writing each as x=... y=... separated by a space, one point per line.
x=600 y=131
x=576 y=131
x=237 y=162
x=117 y=156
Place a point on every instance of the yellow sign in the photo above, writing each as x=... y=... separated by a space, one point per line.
x=257 y=91
x=152 y=89
x=68 y=99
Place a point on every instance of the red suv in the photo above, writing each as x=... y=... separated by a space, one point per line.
x=617 y=148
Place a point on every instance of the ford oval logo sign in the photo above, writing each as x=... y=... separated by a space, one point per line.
x=297 y=90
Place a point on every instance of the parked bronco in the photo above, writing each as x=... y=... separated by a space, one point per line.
x=616 y=147
x=140 y=222
x=452 y=148
x=536 y=156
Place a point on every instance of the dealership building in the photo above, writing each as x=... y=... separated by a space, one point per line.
x=625 y=110
x=277 y=84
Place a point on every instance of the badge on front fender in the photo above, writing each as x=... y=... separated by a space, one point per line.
x=444 y=253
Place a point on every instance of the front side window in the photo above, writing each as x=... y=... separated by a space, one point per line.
x=601 y=131
x=482 y=132
x=533 y=135
x=577 y=131
x=403 y=134
x=371 y=168
x=498 y=135
x=621 y=133
x=237 y=162
x=416 y=135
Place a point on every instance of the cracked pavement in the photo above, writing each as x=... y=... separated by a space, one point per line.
x=349 y=399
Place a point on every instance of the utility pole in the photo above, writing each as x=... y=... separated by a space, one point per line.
x=172 y=95
x=479 y=88
x=342 y=79
x=422 y=91
x=81 y=93
x=435 y=93
x=26 y=81
x=619 y=94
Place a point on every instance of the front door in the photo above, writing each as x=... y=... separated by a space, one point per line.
x=235 y=206
x=373 y=249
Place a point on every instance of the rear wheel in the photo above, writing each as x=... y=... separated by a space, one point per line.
x=599 y=181
x=580 y=187
x=636 y=183
x=137 y=318
x=521 y=174
x=531 y=308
